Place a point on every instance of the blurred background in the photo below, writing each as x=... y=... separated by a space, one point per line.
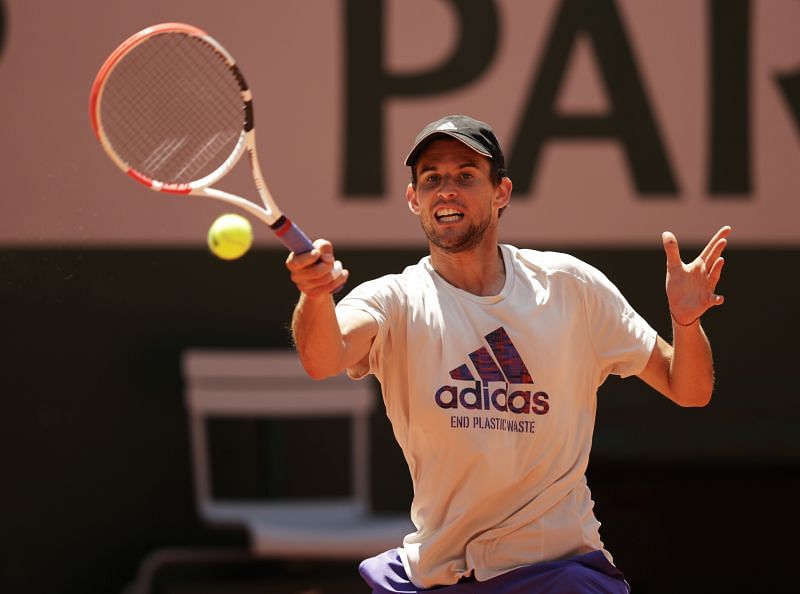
x=620 y=119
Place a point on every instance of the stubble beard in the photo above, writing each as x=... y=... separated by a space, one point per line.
x=470 y=238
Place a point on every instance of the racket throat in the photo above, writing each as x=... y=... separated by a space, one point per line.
x=281 y=225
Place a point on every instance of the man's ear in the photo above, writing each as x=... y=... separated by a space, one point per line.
x=411 y=197
x=503 y=195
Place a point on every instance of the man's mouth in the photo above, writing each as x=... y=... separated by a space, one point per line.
x=448 y=215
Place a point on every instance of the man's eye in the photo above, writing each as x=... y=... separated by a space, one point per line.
x=432 y=179
x=466 y=178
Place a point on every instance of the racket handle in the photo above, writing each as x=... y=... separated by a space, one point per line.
x=291 y=236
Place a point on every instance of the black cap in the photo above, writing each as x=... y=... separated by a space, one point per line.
x=475 y=134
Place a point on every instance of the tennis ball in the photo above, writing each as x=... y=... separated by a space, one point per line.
x=230 y=236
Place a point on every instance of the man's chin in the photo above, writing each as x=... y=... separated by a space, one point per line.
x=455 y=241
x=455 y=245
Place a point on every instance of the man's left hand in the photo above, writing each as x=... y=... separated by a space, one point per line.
x=691 y=287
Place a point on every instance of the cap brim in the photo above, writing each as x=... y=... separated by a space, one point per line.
x=469 y=142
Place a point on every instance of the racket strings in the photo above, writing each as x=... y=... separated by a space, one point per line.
x=172 y=109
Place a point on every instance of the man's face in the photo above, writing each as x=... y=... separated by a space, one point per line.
x=455 y=198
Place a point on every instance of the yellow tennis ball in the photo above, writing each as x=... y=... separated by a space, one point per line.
x=230 y=236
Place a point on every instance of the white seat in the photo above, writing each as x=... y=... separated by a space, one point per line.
x=264 y=384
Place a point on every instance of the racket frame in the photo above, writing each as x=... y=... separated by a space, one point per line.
x=284 y=228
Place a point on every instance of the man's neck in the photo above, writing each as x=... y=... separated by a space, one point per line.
x=480 y=271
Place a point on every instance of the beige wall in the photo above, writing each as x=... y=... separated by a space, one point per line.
x=58 y=188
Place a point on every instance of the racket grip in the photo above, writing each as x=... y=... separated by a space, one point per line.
x=292 y=236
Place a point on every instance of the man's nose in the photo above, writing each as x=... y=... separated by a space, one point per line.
x=448 y=187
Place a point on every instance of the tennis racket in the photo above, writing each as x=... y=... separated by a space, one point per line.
x=173 y=111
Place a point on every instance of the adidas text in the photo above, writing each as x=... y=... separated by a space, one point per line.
x=475 y=398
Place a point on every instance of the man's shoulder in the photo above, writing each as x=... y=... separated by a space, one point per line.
x=395 y=284
x=411 y=274
x=552 y=262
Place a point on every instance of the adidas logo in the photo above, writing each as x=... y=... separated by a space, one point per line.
x=447 y=126
x=503 y=364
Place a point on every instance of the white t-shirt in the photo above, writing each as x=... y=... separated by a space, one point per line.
x=492 y=400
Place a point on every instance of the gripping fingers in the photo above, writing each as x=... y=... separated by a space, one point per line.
x=324 y=284
x=338 y=278
x=316 y=272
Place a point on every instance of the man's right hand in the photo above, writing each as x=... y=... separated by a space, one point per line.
x=315 y=272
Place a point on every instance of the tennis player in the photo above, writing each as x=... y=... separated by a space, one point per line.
x=489 y=359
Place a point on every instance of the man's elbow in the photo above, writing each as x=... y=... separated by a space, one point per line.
x=319 y=372
x=319 y=367
x=696 y=398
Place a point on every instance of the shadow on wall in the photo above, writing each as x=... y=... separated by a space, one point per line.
x=2 y=27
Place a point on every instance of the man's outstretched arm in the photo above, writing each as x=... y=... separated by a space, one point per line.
x=327 y=343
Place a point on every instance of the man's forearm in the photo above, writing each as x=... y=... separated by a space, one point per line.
x=692 y=368
x=317 y=336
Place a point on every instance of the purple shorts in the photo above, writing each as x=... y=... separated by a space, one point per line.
x=585 y=574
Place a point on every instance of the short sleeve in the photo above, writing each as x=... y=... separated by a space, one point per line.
x=622 y=340
x=378 y=299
